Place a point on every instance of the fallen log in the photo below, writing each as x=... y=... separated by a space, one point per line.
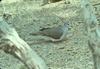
x=93 y=31
x=11 y=43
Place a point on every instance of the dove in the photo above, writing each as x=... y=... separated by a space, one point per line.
x=55 y=33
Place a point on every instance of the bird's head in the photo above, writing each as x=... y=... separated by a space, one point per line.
x=67 y=25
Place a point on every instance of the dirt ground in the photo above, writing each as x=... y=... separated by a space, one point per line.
x=30 y=16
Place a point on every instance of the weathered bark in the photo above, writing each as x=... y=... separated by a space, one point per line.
x=93 y=31
x=11 y=43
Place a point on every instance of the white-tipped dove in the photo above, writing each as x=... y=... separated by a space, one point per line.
x=55 y=33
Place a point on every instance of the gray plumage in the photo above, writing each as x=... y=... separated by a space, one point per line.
x=56 y=33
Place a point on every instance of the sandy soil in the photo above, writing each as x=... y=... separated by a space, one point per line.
x=29 y=16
